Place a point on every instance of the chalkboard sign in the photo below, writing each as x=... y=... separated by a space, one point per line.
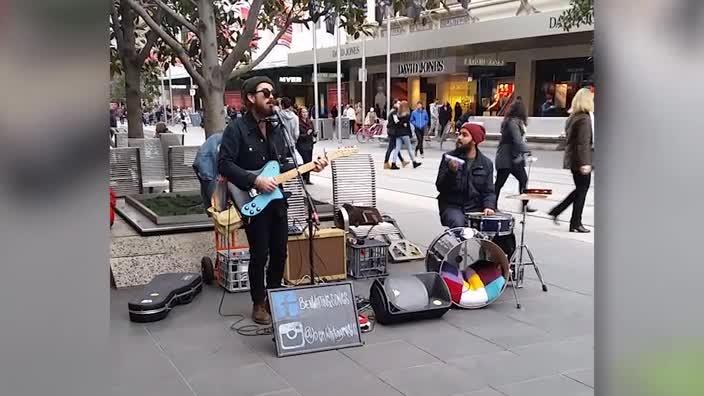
x=314 y=318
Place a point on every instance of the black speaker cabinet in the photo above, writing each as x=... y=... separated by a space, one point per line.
x=401 y=298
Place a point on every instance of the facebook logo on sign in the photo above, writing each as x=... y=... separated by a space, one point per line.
x=285 y=304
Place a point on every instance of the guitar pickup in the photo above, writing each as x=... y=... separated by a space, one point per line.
x=253 y=193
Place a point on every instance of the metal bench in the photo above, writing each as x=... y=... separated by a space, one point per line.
x=167 y=140
x=180 y=171
x=151 y=159
x=120 y=139
x=354 y=183
x=125 y=172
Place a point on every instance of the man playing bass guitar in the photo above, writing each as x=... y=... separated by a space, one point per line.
x=248 y=143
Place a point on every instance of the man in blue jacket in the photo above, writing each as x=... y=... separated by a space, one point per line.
x=419 y=120
x=205 y=166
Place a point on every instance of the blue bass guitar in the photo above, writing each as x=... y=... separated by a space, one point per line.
x=253 y=202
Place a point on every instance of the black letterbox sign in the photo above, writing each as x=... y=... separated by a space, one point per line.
x=314 y=318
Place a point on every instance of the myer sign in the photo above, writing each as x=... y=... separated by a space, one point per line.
x=293 y=79
x=423 y=67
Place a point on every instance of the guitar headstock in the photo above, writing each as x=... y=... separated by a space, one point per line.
x=342 y=152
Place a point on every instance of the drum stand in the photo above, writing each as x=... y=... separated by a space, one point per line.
x=518 y=265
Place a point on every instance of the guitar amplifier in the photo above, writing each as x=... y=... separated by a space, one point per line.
x=329 y=257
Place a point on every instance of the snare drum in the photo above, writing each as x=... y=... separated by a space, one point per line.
x=474 y=268
x=498 y=224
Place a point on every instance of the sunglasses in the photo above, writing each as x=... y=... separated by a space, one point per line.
x=266 y=92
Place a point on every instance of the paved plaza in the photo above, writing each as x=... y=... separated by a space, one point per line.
x=546 y=348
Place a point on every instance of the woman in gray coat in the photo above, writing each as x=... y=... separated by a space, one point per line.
x=512 y=148
x=578 y=157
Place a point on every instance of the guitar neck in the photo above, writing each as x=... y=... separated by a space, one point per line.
x=292 y=174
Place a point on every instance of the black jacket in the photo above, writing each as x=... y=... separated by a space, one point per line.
x=578 y=148
x=472 y=189
x=444 y=115
x=511 y=146
x=399 y=125
x=243 y=148
x=305 y=140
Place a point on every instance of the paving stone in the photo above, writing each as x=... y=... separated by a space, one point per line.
x=504 y=367
x=315 y=374
x=483 y=392
x=445 y=341
x=160 y=386
x=286 y=392
x=248 y=380
x=438 y=379
x=556 y=385
x=584 y=376
x=388 y=356
x=573 y=354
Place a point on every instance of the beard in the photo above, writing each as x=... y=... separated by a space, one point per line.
x=463 y=148
x=266 y=109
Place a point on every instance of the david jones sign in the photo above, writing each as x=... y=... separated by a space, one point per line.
x=426 y=67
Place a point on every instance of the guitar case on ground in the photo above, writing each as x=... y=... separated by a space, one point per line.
x=162 y=293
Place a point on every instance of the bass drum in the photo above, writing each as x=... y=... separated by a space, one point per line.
x=474 y=268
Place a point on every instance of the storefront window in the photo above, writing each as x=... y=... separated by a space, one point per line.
x=494 y=88
x=556 y=83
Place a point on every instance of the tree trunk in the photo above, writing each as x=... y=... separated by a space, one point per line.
x=215 y=91
x=133 y=95
x=214 y=102
x=132 y=67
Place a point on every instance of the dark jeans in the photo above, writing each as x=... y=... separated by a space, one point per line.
x=576 y=198
x=452 y=216
x=267 y=234
x=207 y=188
x=420 y=135
x=519 y=172
x=390 y=148
x=307 y=156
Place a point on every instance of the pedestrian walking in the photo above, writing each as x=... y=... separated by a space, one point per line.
x=391 y=134
x=184 y=122
x=434 y=121
x=578 y=157
x=402 y=126
x=359 y=112
x=290 y=120
x=458 y=111
x=510 y=155
x=306 y=140
x=352 y=116
x=419 y=120
x=444 y=116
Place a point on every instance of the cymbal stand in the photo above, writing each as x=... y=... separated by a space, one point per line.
x=518 y=265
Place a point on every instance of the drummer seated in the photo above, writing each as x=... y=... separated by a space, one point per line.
x=469 y=186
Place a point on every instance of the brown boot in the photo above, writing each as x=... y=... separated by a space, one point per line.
x=405 y=163
x=387 y=165
x=260 y=314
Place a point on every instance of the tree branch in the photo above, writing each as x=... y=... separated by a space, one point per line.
x=245 y=38
x=117 y=28
x=244 y=69
x=169 y=40
x=176 y=16
x=152 y=37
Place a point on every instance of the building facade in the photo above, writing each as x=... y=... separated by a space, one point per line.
x=482 y=58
